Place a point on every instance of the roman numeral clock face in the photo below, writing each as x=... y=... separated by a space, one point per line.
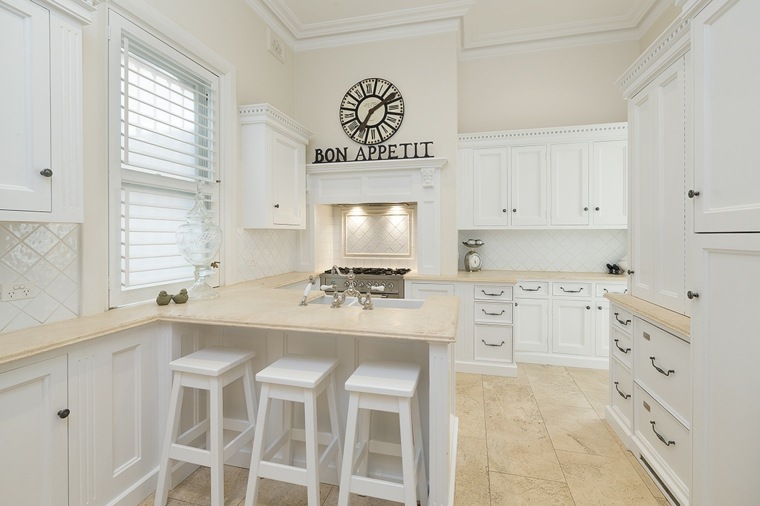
x=371 y=111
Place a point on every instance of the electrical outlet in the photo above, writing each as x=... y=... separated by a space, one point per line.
x=18 y=291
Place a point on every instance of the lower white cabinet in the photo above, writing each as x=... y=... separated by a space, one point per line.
x=419 y=290
x=33 y=460
x=86 y=424
x=532 y=322
x=572 y=327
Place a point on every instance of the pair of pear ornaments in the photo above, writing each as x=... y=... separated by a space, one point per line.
x=164 y=298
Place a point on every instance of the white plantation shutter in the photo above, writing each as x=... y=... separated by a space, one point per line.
x=164 y=112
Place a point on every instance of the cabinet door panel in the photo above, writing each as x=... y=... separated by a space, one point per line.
x=529 y=191
x=34 y=458
x=602 y=328
x=489 y=173
x=532 y=325
x=571 y=327
x=610 y=187
x=25 y=107
x=569 y=184
x=726 y=126
x=287 y=181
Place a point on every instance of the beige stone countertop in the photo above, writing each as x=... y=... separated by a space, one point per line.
x=254 y=304
x=670 y=320
x=515 y=276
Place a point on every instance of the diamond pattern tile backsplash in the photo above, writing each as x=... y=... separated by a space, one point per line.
x=46 y=254
x=262 y=253
x=547 y=250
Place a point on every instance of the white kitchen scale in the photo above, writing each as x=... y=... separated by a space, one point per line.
x=472 y=260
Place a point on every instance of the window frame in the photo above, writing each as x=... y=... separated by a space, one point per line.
x=225 y=130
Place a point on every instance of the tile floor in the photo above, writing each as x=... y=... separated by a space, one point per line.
x=538 y=439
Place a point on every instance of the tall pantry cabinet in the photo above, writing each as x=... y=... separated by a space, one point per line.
x=726 y=340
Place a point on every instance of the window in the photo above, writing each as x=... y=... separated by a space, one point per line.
x=163 y=146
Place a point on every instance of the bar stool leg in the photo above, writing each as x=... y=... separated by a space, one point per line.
x=172 y=429
x=250 y=393
x=252 y=490
x=287 y=418
x=312 y=448
x=334 y=425
x=363 y=437
x=348 y=448
x=407 y=452
x=217 y=444
x=422 y=487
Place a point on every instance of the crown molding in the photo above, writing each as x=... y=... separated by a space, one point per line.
x=81 y=10
x=594 y=131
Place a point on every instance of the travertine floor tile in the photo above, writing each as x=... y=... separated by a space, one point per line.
x=149 y=501
x=522 y=448
x=472 y=486
x=507 y=400
x=470 y=408
x=579 y=430
x=353 y=500
x=654 y=489
x=603 y=481
x=511 y=490
x=196 y=489
x=553 y=386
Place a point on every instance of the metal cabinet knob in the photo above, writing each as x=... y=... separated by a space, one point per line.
x=693 y=194
x=630 y=271
x=692 y=295
x=277 y=206
x=64 y=413
x=46 y=172
x=514 y=210
x=585 y=208
x=596 y=208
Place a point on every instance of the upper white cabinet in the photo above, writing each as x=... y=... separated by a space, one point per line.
x=659 y=125
x=726 y=126
x=566 y=177
x=274 y=168
x=41 y=108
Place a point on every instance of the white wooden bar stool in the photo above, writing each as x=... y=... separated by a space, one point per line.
x=292 y=379
x=208 y=369
x=390 y=387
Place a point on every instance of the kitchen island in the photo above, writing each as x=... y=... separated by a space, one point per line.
x=115 y=368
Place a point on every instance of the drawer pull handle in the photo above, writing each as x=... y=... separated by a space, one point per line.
x=624 y=350
x=659 y=436
x=579 y=290
x=530 y=289
x=492 y=314
x=622 y=322
x=494 y=345
x=661 y=371
x=493 y=294
x=624 y=396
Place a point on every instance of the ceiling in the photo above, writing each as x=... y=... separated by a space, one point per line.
x=486 y=26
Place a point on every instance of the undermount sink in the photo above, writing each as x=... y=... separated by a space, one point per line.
x=378 y=302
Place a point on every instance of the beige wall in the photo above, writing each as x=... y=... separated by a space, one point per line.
x=425 y=71
x=659 y=26
x=567 y=86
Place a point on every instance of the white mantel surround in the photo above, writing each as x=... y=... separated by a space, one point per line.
x=387 y=181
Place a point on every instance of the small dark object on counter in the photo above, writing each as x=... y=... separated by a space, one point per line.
x=163 y=298
x=614 y=269
x=181 y=297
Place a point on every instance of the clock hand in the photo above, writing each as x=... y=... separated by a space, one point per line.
x=363 y=124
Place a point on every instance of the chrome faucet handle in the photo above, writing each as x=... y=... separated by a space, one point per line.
x=307 y=290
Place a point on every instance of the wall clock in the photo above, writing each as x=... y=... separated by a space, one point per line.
x=371 y=111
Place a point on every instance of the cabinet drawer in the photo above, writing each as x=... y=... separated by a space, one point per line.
x=663 y=366
x=493 y=292
x=622 y=391
x=620 y=344
x=605 y=288
x=621 y=319
x=529 y=289
x=493 y=312
x=493 y=342
x=571 y=289
x=662 y=434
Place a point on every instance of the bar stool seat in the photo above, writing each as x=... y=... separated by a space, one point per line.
x=302 y=379
x=389 y=387
x=208 y=369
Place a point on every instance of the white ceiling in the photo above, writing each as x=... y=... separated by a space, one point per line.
x=486 y=25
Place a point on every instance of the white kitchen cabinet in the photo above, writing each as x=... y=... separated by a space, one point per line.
x=602 y=328
x=569 y=184
x=658 y=141
x=726 y=128
x=726 y=344
x=609 y=183
x=41 y=176
x=572 y=331
x=543 y=178
x=422 y=290
x=274 y=169
x=529 y=177
x=533 y=324
x=490 y=180
x=34 y=456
